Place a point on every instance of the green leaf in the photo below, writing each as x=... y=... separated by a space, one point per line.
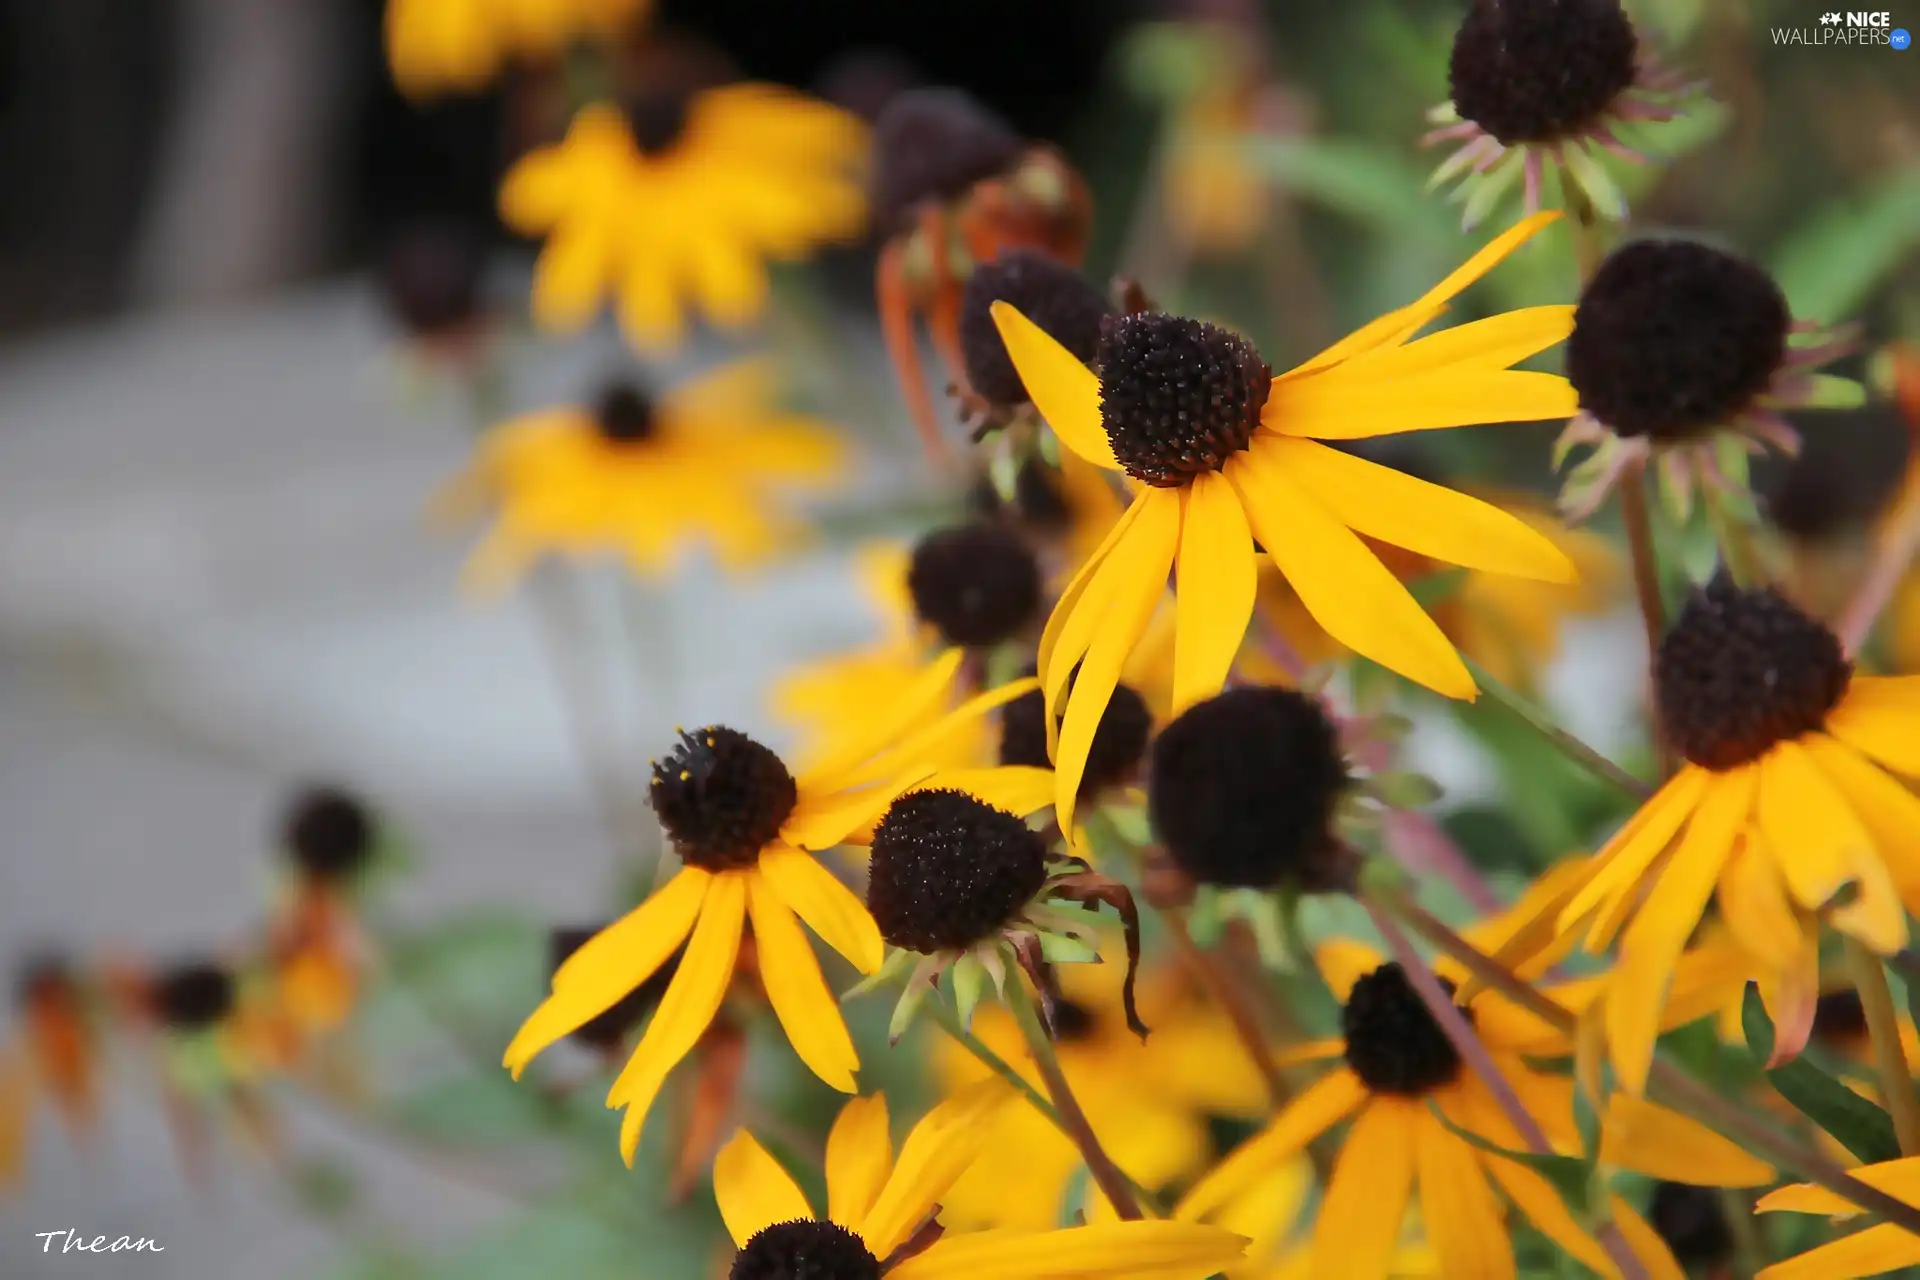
x=1831 y=265
x=1573 y=1177
x=1855 y=1123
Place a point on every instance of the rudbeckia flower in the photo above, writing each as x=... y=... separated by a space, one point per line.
x=1788 y=806
x=1875 y=1251
x=54 y=1055
x=1149 y=1102
x=642 y=480
x=746 y=831
x=317 y=949
x=1399 y=1074
x=680 y=209
x=458 y=46
x=882 y=1207
x=1226 y=452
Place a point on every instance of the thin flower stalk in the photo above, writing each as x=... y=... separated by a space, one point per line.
x=1883 y=1029
x=1562 y=741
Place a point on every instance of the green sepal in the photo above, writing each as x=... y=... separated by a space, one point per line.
x=1059 y=949
x=1404 y=789
x=1608 y=200
x=906 y=1007
x=969 y=984
x=1831 y=391
x=1854 y=1122
x=1129 y=822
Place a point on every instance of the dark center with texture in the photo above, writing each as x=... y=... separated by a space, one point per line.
x=1178 y=397
x=1394 y=1043
x=1061 y=301
x=721 y=797
x=932 y=145
x=948 y=870
x=1537 y=70
x=1692 y=1222
x=624 y=414
x=328 y=834
x=610 y=1029
x=1672 y=338
x=657 y=120
x=977 y=584
x=805 y=1250
x=1119 y=742
x=1742 y=670
x=189 y=997
x=1242 y=789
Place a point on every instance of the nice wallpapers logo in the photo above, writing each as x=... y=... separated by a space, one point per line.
x=1855 y=29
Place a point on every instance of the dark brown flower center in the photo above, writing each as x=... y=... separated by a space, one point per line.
x=328 y=833
x=1061 y=301
x=1178 y=397
x=624 y=414
x=193 y=996
x=977 y=584
x=1394 y=1043
x=722 y=797
x=949 y=870
x=1537 y=70
x=805 y=1250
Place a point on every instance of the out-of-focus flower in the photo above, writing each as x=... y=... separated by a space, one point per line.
x=1226 y=453
x=459 y=46
x=317 y=951
x=953 y=187
x=429 y=273
x=678 y=204
x=1544 y=85
x=746 y=830
x=1399 y=1075
x=1789 y=806
x=1676 y=348
x=882 y=1207
x=1877 y=1250
x=1217 y=200
x=1148 y=1102
x=1511 y=626
x=55 y=1054
x=642 y=480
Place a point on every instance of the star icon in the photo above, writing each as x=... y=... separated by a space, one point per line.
x=1830 y=19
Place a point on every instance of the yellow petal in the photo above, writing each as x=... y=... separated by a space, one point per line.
x=1753 y=901
x=1872 y=1252
x=1153 y=1250
x=1144 y=559
x=570 y=278
x=913 y=707
x=830 y=909
x=1898 y=1178
x=1359 y=1224
x=1080 y=616
x=1457 y=1206
x=1341 y=583
x=693 y=997
x=1314 y=1111
x=790 y=974
x=859 y=1157
x=1626 y=858
x=1808 y=825
x=612 y=963
x=1215 y=576
x=1065 y=391
x=1890 y=811
x=1493 y=343
x=753 y=1190
x=1881 y=726
x=1021 y=790
x=1650 y=1139
x=930 y=744
x=1653 y=942
x=936 y=1153
x=1398 y=508
x=1343 y=962
x=821 y=822
x=1340 y=408
x=1645 y=1242
x=1073 y=596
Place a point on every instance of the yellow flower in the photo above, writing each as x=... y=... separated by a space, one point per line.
x=756 y=172
x=1229 y=453
x=439 y=46
x=1216 y=201
x=1148 y=1102
x=1787 y=806
x=1511 y=626
x=881 y=1210
x=1398 y=1067
x=746 y=831
x=1874 y=1251
x=643 y=481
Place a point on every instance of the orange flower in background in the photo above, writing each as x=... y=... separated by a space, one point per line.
x=54 y=1055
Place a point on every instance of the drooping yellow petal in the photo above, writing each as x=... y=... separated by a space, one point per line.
x=1457 y=1206
x=1890 y=811
x=1080 y=616
x=1881 y=725
x=830 y=909
x=753 y=1190
x=1072 y=597
x=1753 y=901
x=1650 y=1139
x=1653 y=942
x=915 y=706
x=1146 y=557
x=1395 y=507
x=1872 y=1252
x=1898 y=1178
x=612 y=963
x=1614 y=889
x=1317 y=1109
x=1215 y=578
x=807 y=1010
x=1065 y=391
x=1150 y=1250
x=936 y=1153
x=821 y=822
x=1808 y=826
x=859 y=1157
x=692 y=998
x=930 y=743
x=1341 y=583
x=1359 y=1224
x=1021 y=790
x=1493 y=343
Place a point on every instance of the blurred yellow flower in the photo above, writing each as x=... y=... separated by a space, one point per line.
x=1149 y=1102
x=643 y=480
x=680 y=209
x=458 y=46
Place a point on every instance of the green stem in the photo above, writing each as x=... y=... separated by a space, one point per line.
x=1638 y=518
x=1562 y=741
x=1883 y=1029
x=1073 y=1121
